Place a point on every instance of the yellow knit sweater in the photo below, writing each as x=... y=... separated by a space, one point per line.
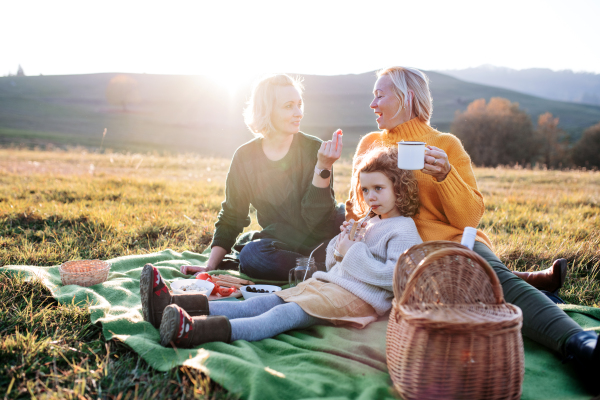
x=447 y=207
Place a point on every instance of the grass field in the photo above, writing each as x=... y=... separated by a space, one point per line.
x=57 y=206
x=180 y=113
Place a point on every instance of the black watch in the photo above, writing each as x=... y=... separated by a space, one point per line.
x=323 y=173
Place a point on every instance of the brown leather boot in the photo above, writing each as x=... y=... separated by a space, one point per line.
x=156 y=296
x=185 y=331
x=551 y=279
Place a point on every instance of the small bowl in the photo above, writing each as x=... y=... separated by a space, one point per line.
x=270 y=288
x=194 y=286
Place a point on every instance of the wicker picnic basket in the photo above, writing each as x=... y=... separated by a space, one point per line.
x=84 y=272
x=450 y=333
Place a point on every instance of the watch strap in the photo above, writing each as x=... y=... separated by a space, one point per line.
x=323 y=173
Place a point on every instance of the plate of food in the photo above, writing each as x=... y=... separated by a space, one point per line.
x=258 y=290
x=195 y=286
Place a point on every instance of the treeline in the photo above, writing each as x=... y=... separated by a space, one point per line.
x=500 y=133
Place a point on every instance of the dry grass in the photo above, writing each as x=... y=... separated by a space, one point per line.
x=57 y=206
x=535 y=216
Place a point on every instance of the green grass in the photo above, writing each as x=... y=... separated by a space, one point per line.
x=53 y=351
x=58 y=206
x=535 y=216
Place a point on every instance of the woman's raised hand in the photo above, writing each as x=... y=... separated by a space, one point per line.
x=330 y=151
x=436 y=163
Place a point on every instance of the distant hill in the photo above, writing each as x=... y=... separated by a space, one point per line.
x=191 y=113
x=576 y=87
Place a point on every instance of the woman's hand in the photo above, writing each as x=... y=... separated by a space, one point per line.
x=436 y=163
x=344 y=243
x=193 y=269
x=330 y=151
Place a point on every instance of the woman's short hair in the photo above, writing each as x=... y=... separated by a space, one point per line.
x=385 y=160
x=405 y=79
x=257 y=113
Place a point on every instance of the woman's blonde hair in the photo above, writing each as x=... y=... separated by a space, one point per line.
x=257 y=113
x=385 y=160
x=405 y=79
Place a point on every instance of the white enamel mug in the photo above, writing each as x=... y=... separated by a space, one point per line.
x=411 y=155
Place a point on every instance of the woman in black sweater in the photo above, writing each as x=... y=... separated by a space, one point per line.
x=286 y=175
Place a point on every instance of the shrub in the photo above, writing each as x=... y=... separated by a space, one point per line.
x=496 y=133
x=551 y=142
x=586 y=152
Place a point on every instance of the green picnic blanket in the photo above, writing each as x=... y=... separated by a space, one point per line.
x=319 y=362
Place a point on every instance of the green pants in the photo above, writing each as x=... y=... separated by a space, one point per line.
x=543 y=321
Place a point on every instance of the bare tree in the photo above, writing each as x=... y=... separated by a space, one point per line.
x=551 y=141
x=122 y=90
x=586 y=151
x=495 y=133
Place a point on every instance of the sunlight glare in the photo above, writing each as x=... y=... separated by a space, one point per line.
x=232 y=83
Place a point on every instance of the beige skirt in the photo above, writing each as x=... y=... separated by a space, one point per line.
x=330 y=302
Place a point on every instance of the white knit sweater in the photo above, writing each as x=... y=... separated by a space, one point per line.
x=367 y=269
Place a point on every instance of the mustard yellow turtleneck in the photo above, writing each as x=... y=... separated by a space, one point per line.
x=447 y=207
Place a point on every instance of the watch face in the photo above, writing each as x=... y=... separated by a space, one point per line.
x=325 y=174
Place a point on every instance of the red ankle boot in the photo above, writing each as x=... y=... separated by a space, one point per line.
x=156 y=296
x=185 y=331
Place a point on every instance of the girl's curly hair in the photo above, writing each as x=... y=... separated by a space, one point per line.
x=385 y=160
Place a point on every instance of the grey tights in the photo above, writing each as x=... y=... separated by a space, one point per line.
x=261 y=317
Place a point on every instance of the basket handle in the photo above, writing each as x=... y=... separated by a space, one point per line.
x=412 y=282
x=417 y=247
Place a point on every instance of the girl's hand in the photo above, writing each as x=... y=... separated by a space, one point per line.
x=436 y=163
x=345 y=224
x=330 y=151
x=193 y=269
x=344 y=243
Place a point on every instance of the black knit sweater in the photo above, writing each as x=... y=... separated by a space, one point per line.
x=289 y=207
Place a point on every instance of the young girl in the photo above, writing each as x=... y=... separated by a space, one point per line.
x=357 y=287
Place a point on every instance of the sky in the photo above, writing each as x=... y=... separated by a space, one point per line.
x=235 y=39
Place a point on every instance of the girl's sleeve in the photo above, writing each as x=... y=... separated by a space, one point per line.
x=462 y=201
x=360 y=263
x=235 y=210
x=329 y=258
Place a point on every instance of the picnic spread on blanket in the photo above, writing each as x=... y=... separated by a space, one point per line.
x=317 y=362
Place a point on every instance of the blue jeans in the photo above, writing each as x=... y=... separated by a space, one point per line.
x=262 y=259
x=270 y=259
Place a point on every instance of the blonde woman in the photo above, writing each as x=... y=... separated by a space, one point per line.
x=450 y=201
x=286 y=175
